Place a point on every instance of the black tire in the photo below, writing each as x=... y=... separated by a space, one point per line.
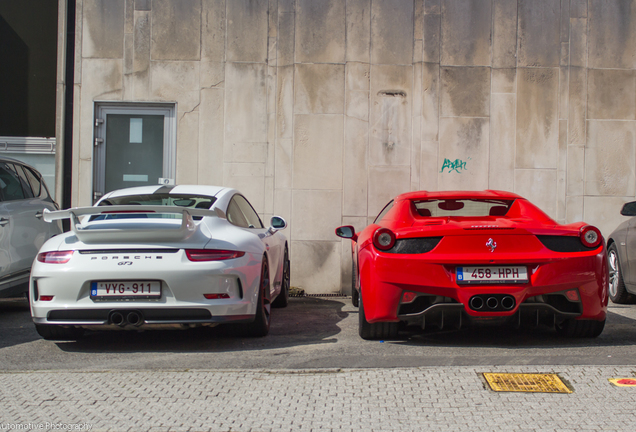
x=374 y=331
x=572 y=328
x=58 y=333
x=262 y=319
x=355 y=294
x=616 y=286
x=282 y=299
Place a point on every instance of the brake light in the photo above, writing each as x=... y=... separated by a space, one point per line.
x=46 y=298
x=55 y=257
x=572 y=295
x=590 y=236
x=216 y=296
x=408 y=297
x=212 y=254
x=383 y=239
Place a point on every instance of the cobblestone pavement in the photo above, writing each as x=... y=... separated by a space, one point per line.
x=401 y=399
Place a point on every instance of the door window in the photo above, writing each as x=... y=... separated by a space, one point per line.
x=134 y=150
x=235 y=215
x=39 y=190
x=10 y=186
x=24 y=181
x=252 y=218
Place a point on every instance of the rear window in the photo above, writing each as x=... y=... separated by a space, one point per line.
x=462 y=207
x=184 y=200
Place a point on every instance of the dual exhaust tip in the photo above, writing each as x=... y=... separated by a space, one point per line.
x=124 y=318
x=492 y=302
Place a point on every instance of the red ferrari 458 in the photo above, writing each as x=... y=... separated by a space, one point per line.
x=443 y=259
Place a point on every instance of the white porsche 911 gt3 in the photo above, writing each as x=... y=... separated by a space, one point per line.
x=160 y=257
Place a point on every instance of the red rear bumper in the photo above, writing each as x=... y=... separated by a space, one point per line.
x=384 y=277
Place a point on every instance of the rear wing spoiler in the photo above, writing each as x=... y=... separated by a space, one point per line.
x=128 y=232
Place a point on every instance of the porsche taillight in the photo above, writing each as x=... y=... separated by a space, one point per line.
x=55 y=257
x=590 y=236
x=383 y=239
x=198 y=255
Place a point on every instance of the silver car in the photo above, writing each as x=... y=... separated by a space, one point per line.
x=23 y=197
x=621 y=252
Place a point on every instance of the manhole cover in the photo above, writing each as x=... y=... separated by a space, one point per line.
x=537 y=383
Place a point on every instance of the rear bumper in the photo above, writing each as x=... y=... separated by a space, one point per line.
x=384 y=279
x=183 y=288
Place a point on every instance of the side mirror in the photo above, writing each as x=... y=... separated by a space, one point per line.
x=347 y=232
x=629 y=209
x=277 y=223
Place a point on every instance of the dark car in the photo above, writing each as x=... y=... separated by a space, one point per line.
x=23 y=197
x=621 y=252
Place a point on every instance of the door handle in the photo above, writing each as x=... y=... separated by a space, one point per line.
x=3 y=221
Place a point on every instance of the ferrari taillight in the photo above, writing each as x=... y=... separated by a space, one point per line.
x=408 y=297
x=572 y=295
x=590 y=236
x=383 y=239
x=55 y=257
x=212 y=254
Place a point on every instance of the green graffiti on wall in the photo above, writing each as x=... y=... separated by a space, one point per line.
x=457 y=165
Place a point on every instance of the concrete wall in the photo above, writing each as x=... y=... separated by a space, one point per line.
x=322 y=110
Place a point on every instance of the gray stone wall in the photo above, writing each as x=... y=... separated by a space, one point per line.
x=322 y=110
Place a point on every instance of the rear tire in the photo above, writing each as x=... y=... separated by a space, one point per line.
x=374 y=331
x=616 y=287
x=58 y=333
x=282 y=299
x=572 y=328
x=260 y=326
x=355 y=294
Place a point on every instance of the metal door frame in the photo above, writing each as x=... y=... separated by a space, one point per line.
x=102 y=109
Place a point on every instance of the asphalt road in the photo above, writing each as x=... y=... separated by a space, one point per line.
x=310 y=333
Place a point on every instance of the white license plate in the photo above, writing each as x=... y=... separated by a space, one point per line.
x=490 y=274
x=125 y=290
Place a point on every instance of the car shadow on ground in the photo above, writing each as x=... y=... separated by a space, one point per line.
x=15 y=322
x=305 y=321
x=619 y=331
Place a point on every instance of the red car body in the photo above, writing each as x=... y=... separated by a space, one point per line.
x=447 y=258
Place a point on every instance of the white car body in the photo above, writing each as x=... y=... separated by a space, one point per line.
x=118 y=248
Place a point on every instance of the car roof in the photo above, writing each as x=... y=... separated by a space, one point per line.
x=13 y=160
x=176 y=190
x=486 y=194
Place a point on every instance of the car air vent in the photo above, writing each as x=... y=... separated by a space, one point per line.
x=564 y=243
x=488 y=227
x=414 y=245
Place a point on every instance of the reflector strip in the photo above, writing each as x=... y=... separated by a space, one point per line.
x=529 y=383
x=623 y=382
